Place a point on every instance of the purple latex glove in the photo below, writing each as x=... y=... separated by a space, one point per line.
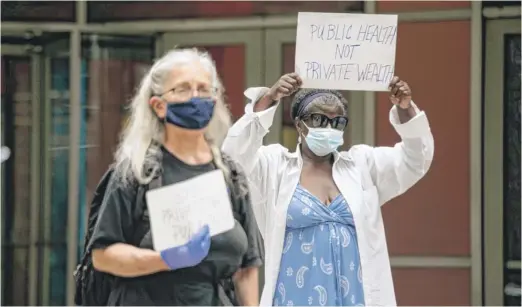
x=190 y=254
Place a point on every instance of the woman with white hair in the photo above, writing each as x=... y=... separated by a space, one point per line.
x=177 y=123
x=318 y=209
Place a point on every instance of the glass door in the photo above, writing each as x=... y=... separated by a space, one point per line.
x=36 y=126
x=111 y=68
x=502 y=205
x=512 y=236
x=55 y=152
x=20 y=173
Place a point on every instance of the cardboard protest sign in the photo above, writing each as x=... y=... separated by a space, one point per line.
x=346 y=51
x=179 y=210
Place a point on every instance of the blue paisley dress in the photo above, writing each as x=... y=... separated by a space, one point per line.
x=320 y=263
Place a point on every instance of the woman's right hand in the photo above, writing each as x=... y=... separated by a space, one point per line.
x=285 y=86
x=190 y=254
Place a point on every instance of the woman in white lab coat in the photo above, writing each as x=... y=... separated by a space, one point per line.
x=319 y=209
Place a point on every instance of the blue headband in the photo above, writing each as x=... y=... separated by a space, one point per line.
x=306 y=101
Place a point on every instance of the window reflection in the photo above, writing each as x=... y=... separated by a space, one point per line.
x=16 y=202
x=512 y=288
x=512 y=210
x=112 y=69
x=58 y=148
x=38 y=11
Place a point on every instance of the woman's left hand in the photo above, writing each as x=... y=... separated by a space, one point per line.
x=400 y=93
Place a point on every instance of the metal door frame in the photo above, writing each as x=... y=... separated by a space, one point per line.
x=494 y=159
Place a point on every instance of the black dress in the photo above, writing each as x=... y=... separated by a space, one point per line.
x=194 y=286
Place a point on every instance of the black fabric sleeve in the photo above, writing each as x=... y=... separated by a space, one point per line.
x=115 y=218
x=255 y=253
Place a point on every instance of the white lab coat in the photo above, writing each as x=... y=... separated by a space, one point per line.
x=367 y=177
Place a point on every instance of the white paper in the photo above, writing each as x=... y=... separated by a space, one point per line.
x=346 y=51
x=179 y=210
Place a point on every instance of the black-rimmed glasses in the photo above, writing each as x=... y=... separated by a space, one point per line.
x=318 y=120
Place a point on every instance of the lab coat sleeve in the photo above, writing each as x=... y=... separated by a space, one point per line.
x=245 y=138
x=396 y=169
x=243 y=143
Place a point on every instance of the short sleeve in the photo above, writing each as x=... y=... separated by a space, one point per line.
x=255 y=253
x=115 y=218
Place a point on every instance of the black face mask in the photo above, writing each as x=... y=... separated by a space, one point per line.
x=194 y=114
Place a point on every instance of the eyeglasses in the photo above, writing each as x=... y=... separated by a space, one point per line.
x=186 y=92
x=318 y=120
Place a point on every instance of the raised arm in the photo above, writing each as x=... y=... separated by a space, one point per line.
x=395 y=169
x=244 y=141
x=245 y=138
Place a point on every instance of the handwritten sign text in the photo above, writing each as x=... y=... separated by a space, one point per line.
x=346 y=51
x=179 y=210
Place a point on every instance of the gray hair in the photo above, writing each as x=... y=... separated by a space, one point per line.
x=138 y=156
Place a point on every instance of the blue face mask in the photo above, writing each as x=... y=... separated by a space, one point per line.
x=323 y=141
x=193 y=114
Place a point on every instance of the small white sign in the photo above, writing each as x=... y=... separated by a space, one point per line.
x=346 y=51
x=179 y=210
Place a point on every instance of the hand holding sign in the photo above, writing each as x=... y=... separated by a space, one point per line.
x=285 y=86
x=346 y=51
x=179 y=210
x=190 y=254
x=400 y=93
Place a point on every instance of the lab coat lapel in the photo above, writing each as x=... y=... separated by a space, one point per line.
x=290 y=180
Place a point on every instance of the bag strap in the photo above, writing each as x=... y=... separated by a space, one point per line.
x=156 y=182
x=236 y=181
x=94 y=208
x=224 y=297
x=225 y=287
x=142 y=213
